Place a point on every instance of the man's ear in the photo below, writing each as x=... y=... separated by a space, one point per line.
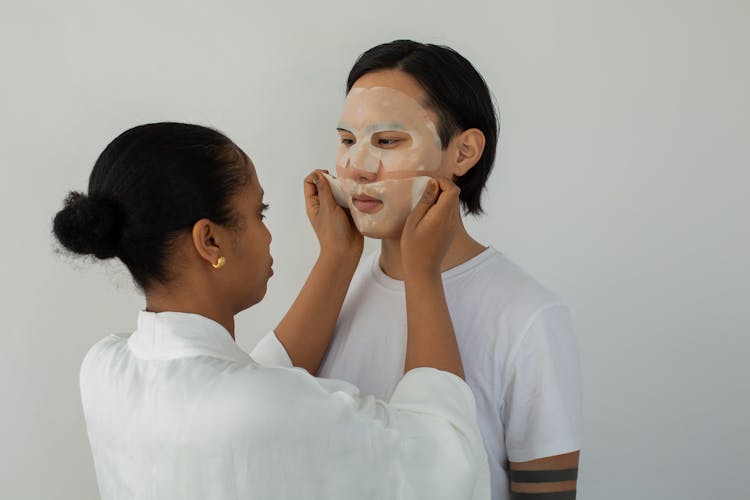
x=469 y=146
x=207 y=241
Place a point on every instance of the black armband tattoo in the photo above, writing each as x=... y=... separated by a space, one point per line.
x=558 y=495
x=543 y=476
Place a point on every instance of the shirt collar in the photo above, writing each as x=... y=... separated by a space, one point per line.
x=170 y=335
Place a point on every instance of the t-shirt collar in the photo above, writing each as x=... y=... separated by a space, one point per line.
x=451 y=274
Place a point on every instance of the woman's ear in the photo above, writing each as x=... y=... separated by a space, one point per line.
x=207 y=241
x=469 y=146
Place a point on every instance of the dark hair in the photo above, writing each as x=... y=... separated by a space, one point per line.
x=456 y=92
x=148 y=185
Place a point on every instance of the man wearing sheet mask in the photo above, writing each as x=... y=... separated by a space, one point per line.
x=388 y=150
x=413 y=112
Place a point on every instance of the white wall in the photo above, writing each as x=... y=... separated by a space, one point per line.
x=622 y=184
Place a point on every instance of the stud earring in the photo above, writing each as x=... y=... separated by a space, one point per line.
x=219 y=263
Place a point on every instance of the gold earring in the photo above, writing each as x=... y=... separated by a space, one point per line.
x=219 y=263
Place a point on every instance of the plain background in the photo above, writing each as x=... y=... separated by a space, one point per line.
x=621 y=184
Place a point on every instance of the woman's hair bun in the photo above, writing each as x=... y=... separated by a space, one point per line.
x=89 y=225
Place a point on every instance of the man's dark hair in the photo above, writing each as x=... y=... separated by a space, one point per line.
x=455 y=91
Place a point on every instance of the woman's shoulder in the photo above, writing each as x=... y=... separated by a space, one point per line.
x=108 y=346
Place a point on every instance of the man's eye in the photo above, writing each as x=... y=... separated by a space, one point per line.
x=387 y=141
x=347 y=142
x=263 y=209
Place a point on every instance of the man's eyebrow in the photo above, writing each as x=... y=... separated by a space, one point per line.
x=383 y=127
x=375 y=127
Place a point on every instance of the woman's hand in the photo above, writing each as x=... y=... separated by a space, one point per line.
x=333 y=226
x=428 y=232
x=430 y=228
x=306 y=329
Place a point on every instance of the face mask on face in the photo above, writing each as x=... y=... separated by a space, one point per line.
x=389 y=134
x=379 y=209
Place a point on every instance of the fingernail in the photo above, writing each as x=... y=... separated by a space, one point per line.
x=316 y=178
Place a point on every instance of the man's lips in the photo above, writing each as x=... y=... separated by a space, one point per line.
x=366 y=204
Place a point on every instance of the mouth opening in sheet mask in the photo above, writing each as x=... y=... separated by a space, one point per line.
x=389 y=149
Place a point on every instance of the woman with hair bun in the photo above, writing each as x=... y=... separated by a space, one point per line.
x=176 y=410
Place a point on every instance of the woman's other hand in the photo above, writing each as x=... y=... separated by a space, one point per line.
x=430 y=228
x=333 y=225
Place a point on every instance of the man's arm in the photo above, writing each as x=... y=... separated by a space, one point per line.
x=548 y=478
x=306 y=329
x=544 y=407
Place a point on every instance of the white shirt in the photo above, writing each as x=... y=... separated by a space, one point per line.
x=517 y=346
x=178 y=411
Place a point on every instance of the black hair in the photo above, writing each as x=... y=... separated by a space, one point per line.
x=150 y=184
x=455 y=91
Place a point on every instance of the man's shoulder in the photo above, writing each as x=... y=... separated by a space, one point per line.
x=496 y=280
x=494 y=305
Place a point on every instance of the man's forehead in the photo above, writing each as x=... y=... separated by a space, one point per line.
x=380 y=98
x=382 y=105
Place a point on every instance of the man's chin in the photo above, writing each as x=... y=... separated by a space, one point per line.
x=383 y=231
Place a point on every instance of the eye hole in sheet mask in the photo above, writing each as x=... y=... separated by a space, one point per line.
x=389 y=148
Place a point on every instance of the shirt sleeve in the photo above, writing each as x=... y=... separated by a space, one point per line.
x=422 y=444
x=541 y=406
x=436 y=413
x=270 y=352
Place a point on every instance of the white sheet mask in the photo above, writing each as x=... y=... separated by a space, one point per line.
x=403 y=169
x=367 y=114
x=399 y=197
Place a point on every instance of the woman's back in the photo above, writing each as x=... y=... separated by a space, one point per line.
x=178 y=410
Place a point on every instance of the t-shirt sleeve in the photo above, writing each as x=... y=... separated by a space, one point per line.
x=422 y=444
x=270 y=352
x=541 y=405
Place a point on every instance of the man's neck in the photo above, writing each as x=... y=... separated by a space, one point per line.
x=462 y=249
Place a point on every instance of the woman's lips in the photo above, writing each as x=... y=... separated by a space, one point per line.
x=366 y=204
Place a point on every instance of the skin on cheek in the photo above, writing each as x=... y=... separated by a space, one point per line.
x=409 y=162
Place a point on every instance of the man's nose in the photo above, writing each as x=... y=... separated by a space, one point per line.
x=363 y=165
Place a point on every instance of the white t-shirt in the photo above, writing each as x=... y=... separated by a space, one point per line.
x=178 y=411
x=518 y=349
